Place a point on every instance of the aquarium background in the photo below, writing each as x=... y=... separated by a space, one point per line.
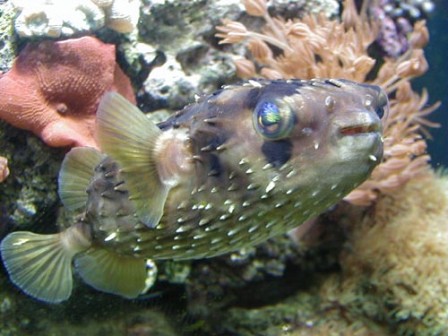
x=436 y=81
x=385 y=273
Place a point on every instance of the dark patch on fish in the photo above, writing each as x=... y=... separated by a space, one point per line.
x=278 y=152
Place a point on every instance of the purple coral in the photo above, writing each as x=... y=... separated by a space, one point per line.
x=396 y=19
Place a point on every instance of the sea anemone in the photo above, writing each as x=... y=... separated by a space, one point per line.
x=319 y=47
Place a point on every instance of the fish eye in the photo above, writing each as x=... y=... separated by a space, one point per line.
x=383 y=105
x=272 y=120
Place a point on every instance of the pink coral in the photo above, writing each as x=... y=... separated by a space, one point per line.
x=54 y=88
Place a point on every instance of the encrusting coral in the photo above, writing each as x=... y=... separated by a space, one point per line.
x=318 y=47
x=55 y=17
x=394 y=268
x=54 y=88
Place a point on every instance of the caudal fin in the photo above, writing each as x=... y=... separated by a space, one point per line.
x=41 y=265
x=112 y=273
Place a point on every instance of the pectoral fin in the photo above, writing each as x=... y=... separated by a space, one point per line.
x=74 y=177
x=129 y=137
x=112 y=273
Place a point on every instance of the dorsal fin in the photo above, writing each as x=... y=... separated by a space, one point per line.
x=129 y=137
x=74 y=177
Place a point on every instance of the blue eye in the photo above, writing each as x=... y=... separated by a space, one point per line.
x=273 y=121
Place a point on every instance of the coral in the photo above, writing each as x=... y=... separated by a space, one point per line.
x=29 y=195
x=187 y=62
x=54 y=88
x=323 y=48
x=395 y=21
x=395 y=265
x=4 y=170
x=7 y=37
x=54 y=18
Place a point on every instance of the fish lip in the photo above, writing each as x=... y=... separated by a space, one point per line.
x=360 y=129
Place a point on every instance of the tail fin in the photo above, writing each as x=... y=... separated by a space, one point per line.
x=112 y=273
x=40 y=265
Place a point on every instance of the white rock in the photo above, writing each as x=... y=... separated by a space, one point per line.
x=60 y=17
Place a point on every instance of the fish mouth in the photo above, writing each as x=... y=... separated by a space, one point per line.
x=360 y=129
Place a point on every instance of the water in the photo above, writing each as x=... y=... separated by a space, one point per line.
x=436 y=81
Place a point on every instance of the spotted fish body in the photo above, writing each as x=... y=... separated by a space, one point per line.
x=242 y=187
x=237 y=167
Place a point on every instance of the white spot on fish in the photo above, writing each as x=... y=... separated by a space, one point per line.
x=373 y=158
x=224 y=217
x=232 y=232
x=110 y=237
x=204 y=221
x=316 y=145
x=233 y=187
x=253 y=228
x=297 y=204
x=181 y=228
x=271 y=223
x=231 y=208
x=270 y=186
x=215 y=240
x=254 y=83
x=246 y=203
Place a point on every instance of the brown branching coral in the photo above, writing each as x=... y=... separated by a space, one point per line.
x=317 y=47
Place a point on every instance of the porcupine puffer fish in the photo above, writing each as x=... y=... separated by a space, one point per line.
x=239 y=166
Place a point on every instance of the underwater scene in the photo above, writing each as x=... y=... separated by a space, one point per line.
x=223 y=167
